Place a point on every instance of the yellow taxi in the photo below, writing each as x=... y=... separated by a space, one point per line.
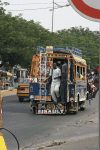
x=23 y=90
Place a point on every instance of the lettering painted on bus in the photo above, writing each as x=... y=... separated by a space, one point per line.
x=55 y=111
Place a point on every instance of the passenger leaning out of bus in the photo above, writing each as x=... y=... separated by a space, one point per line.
x=55 y=84
x=56 y=75
x=64 y=81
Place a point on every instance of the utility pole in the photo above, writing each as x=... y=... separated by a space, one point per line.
x=52 y=15
x=58 y=6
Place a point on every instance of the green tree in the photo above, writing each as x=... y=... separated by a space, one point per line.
x=19 y=39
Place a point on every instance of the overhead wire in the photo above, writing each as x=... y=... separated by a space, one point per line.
x=35 y=3
x=31 y=9
x=36 y=8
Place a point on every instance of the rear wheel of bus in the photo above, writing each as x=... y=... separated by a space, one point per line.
x=75 y=112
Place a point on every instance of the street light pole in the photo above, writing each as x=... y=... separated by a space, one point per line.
x=59 y=6
x=52 y=15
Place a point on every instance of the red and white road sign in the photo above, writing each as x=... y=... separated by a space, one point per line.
x=90 y=9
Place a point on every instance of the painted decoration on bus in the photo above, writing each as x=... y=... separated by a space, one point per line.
x=51 y=109
x=71 y=92
x=68 y=95
x=42 y=69
x=34 y=66
x=31 y=88
x=72 y=99
x=82 y=93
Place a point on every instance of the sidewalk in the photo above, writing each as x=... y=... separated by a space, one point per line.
x=8 y=93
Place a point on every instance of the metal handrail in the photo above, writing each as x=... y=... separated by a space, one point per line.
x=61 y=49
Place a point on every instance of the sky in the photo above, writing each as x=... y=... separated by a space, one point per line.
x=64 y=18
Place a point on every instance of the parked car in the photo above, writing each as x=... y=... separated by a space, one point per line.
x=23 y=90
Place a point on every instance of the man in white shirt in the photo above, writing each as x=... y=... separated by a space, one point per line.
x=55 y=84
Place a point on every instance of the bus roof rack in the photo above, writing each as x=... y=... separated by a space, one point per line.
x=59 y=49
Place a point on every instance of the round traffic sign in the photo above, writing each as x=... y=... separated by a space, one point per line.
x=90 y=9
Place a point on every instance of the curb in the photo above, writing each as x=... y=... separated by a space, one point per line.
x=5 y=93
x=8 y=95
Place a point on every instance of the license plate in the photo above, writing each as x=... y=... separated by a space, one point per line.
x=26 y=88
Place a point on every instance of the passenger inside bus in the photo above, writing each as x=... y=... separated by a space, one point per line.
x=78 y=73
x=62 y=64
x=71 y=70
x=64 y=80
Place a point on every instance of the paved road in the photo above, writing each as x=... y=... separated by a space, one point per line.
x=33 y=129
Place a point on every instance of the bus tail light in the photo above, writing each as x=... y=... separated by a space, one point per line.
x=73 y=82
x=20 y=88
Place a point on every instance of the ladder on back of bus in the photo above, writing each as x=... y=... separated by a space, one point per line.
x=42 y=64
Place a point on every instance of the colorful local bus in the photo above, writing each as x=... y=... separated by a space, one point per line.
x=40 y=92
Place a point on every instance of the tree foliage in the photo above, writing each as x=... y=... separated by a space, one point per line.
x=19 y=39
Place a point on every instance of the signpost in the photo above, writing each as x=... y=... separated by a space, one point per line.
x=89 y=9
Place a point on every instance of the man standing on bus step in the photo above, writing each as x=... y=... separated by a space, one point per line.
x=64 y=81
x=56 y=75
x=55 y=84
